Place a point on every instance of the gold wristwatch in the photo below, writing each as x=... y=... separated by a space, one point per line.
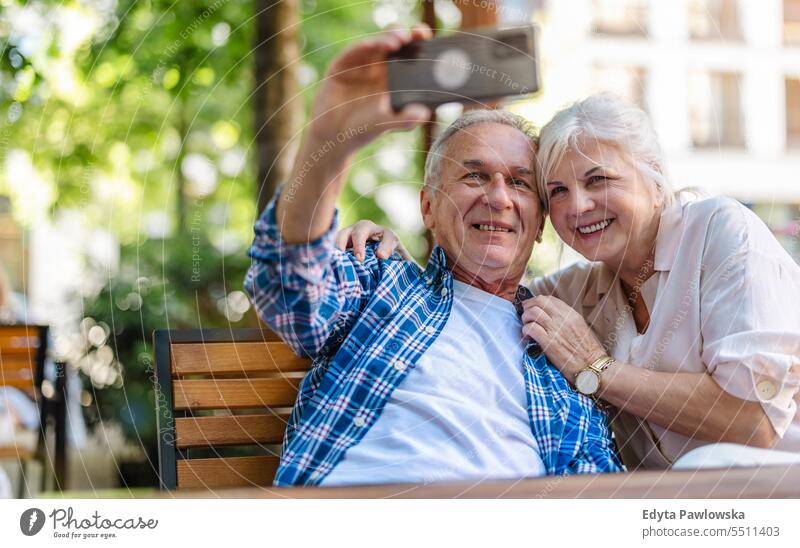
x=587 y=381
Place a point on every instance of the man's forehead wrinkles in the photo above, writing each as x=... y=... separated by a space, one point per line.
x=474 y=163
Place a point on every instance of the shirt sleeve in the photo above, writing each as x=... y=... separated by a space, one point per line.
x=310 y=293
x=750 y=314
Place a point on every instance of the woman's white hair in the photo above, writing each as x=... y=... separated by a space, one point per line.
x=438 y=151
x=608 y=119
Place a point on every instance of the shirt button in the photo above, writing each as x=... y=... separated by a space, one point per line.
x=444 y=292
x=359 y=421
x=766 y=390
x=430 y=330
x=400 y=366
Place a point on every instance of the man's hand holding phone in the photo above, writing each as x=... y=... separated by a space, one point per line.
x=353 y=99
x=351 y=108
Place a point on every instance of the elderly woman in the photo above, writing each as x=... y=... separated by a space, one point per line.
x=687 y=317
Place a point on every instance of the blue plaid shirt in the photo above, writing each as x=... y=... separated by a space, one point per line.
x=365 y=325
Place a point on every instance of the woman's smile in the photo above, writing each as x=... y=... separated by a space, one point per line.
x=594 y=230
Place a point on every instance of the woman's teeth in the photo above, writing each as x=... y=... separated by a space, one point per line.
x=591 y=229
x=492 y=228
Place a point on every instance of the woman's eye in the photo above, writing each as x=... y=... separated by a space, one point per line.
x=597 y=178
x=557 y=190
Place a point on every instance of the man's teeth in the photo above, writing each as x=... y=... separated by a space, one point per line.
x=493 y=228
x=595 y=227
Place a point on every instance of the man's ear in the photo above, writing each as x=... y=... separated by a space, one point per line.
x=426 y=207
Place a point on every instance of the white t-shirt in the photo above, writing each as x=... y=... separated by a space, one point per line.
x=462 y=411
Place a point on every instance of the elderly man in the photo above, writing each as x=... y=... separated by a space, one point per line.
x=418 y=375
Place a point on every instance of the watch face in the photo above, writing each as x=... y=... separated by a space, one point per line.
x=587 y=382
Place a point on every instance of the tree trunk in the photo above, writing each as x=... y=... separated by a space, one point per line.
x=477 y=14
x=278 y=110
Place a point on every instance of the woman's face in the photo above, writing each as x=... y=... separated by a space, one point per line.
x=602 y=207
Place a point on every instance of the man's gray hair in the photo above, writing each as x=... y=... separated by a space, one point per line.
x=438 y=151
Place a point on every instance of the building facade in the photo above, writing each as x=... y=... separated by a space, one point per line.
x=719 y=78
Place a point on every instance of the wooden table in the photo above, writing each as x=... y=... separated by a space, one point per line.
x=761 y=482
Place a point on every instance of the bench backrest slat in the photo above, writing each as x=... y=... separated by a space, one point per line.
x=230 y=430
x=22 y=355
x=230 y=389
x=226 y=472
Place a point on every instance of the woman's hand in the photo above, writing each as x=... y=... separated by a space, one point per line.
x=562 y=333
x=357 y=235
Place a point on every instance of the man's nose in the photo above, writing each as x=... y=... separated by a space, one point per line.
x=498 y=194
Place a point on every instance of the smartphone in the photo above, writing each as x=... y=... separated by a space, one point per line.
x=468 y=66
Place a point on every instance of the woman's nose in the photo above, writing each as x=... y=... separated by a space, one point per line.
x=581 y=202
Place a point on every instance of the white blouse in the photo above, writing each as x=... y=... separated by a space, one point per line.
x=724 y=299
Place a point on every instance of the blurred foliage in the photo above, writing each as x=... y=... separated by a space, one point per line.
x=138 y=116
x=161 y=284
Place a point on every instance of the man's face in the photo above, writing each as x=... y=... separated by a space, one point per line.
x=485 y=213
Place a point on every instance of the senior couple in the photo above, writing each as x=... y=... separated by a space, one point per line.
x=683 y=329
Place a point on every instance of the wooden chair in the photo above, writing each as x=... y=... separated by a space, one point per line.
x=23 y=350
x=223 y=398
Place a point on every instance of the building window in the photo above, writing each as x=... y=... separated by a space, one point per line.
x=793 y=112
x=714 y=20
x=626 y=81
x=791 y=21
x=620 y=17
x=715 y=109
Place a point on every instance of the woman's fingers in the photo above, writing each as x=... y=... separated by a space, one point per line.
x=401 y=249
x=357 y=235
x=389 y=244
x=534 y=313
x=343 y=238
x=364 y=231
x=536 y=332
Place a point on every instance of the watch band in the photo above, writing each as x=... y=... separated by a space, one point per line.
x=602 y=363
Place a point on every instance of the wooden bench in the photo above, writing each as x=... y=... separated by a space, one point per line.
x=219 y=389
x=23 y=351
x=729 y=483
x=223 y=398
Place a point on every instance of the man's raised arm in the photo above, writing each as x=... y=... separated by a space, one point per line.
x=351 y=109
x=301 y=285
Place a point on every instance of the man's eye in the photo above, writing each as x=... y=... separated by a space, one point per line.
x=474 y=177
x=519 y=182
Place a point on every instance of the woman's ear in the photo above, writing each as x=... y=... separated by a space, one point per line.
x=541 y=230
x=661 y=196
